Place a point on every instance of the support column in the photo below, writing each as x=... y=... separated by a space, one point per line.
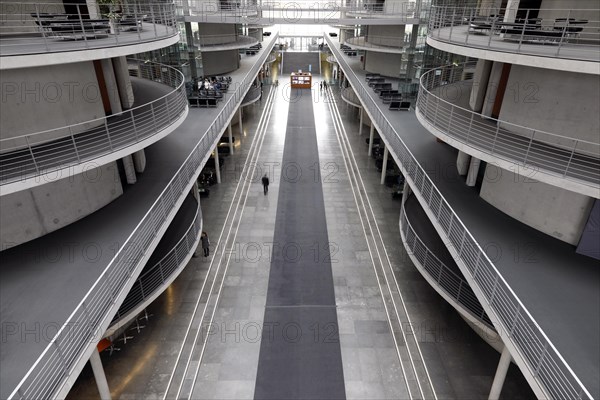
x=462 y=163
x=511 y=10
x=111 y=85
x=217 y=166
x=123 y=81
x=240 y=122
x=406 y=191
x=230 y=138
x=473 y=171
x=129 y=169
x=361 y=122
x=384 y=166
x=371 y=134
x=99 y=375
x=92 y=9
x=139 y=161
x=501 y=371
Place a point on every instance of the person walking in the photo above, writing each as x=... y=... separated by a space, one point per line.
x=265 y=183
x=205 y=243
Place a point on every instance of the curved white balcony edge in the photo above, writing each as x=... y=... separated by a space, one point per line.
x=350 y=97
x=240 y=42
x=421 y=255
x=515 y=323
x=251 y=97
x=168 y=268
x=73 y=344
x=463 y=129
x=539 y=61
x=331 y=60
x=123 y=140
x=361 y=43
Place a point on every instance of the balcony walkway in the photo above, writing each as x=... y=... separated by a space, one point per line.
x=65 y=264
x=561 y=289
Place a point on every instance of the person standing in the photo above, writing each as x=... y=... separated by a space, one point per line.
x=205 y=243
x=265 y=183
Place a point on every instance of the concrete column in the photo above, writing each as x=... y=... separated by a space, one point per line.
x=123 y=81
x=111 y=85
x=384 y=166
x=240 y=122
x=129 y=169
x=406 y=191
x=96 y=364
x=93 y=9
x=480 y=82
x=371 y=134
x=492 y=88
x=230 y=131
x=217 y=166
x=195 y=191
x=511 y=10
x=462 y=163
x=473 y=171
x=361 y=122
x=139 y=161
x=500 y=375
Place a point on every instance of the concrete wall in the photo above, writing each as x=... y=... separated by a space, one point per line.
x=216 y=33
x=564 y=103
x=220 y=62
x=383 y=63
x=17 y=19
x=32 y=213
x=559 y=213
x=386 y=35
x=43 y=98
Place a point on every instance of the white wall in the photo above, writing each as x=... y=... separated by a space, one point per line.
x=35 y=212
x=383 y=63
x=43 y=98
x=564 y=103
x=559 y=213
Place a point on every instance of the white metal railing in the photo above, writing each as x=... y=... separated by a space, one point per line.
x=566 y=33
x=234 y=40
x=155 y=277
x=350 y=97
x=454 y=285
x=91 y=317
x=511 y=319
x=556 y=154
x=375 y=41
x=42 y=152
x=47 y=27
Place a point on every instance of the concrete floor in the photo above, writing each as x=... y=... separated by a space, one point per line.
x=460 y=363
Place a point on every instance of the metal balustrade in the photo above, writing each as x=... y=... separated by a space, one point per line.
x=555 y=154
x=42 y=152
x=449 y=281
x=47 y=27
x=511 y=319
x=379 y=42
x=89 y=320
x=219 y=42
x=161 y=273
x=562 y=33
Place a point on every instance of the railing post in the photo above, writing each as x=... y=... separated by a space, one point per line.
x=460 y=285
x=74 y=144
x=82 y=27
x=523 y=31
x=134 y=127
x=42 y=29
x=153 y=19
x=37 y=170
x=470 y=127
x=108 y=134
x=541 y=360
x=495 y=137
x=571 y=158
x=528 y=147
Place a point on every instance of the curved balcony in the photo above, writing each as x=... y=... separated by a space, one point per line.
x=562 y=34
x=40 y=153
x=224 y=42
x=530 y=346
x=253 y=95
x=350 y=97
x=382 y=44
x=401 y=10
x=62 y=357
x=331 y=59
x=445 y=280
x=40 y=33
x=159 y=274
x=551 y=155
x=203 y=11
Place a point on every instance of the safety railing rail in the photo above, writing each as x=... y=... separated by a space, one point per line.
x=47 y=27
x=556 y=154
x=85 y=326
x=160 y=273
x=511 y=318
x=449 y=281
x=562 y=33
x=207 y=41
x=376 y=41
x=42 y=152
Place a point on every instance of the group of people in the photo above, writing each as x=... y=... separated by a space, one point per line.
x=323 y=85
x=213 y=84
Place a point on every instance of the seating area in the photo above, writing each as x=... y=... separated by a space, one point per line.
x=76 y=27
x=252 y=50
x=207 y=92
x=386 y=93
x=348 y=50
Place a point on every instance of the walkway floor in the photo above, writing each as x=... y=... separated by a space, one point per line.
x=461 y=364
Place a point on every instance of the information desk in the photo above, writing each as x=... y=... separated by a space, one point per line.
x=301 y=80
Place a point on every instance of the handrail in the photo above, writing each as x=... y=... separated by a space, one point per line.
x=556 y=154
x=93 y=314
x=160 y=273
x=379 y=42
x=46 y=27
x=238 y=41
x=519 y=31
x=511 y=318
x=89 y=140
x=454 y=285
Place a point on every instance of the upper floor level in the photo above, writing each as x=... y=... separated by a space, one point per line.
x=54 y=32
